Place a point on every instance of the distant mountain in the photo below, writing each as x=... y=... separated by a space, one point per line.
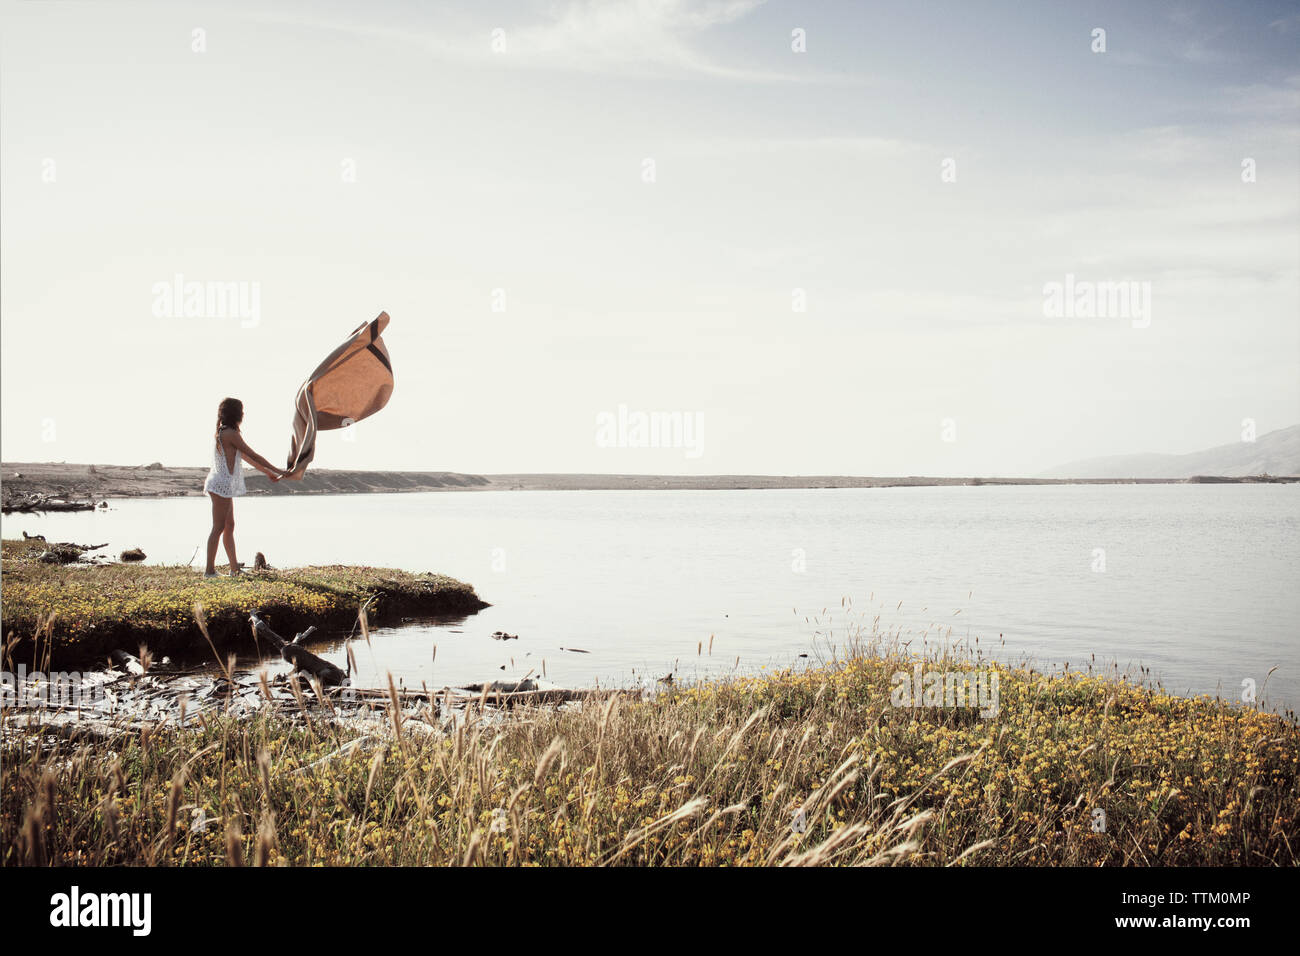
x=1277 y=453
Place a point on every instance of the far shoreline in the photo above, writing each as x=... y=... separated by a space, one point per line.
x=73 y=481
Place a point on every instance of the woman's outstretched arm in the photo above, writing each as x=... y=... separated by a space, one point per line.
x=254 y=459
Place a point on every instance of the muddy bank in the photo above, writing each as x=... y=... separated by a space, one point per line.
x=131 y=695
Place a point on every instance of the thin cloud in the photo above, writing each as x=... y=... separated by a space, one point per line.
x=870 y=145
x=632 y=37
x=1271 y=99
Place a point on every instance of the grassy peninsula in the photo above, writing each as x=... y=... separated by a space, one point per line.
x=81 y=612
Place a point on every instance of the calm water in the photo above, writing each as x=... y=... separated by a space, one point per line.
x=1200 y=581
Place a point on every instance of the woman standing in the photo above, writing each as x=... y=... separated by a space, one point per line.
x=225 y=482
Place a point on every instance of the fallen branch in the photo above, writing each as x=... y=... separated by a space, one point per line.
x=328 y=674
x=549 y=696
x=348 y=694
x=33 y=503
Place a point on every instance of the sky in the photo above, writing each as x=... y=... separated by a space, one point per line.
x=807 y=238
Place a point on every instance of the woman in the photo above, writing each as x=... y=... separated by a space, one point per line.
x=225 y=482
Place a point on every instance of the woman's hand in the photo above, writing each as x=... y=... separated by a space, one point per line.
x=256 y=460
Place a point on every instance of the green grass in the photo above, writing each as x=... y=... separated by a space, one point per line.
x=712 y=774
x=83 y=611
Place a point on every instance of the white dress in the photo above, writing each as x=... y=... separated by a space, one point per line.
x=221 y=480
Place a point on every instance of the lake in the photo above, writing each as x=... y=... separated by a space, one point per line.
x=1198 y=582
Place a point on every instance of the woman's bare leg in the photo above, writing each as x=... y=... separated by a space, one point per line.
x=228 y=537
x=221 y=512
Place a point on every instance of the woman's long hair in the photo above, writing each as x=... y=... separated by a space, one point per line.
x=229 y=413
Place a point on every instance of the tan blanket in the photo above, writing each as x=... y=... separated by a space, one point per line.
x=354 y=382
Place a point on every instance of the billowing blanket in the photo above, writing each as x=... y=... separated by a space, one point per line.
x=354 y=382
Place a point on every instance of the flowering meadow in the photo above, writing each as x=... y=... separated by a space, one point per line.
x=810 y=766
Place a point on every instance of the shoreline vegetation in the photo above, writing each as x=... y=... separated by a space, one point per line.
x=79 y=612
x=795 y=767
x=821 y=764
x=802 y=766
x=22 y=483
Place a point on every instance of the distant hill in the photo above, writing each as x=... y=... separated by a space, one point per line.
x=1277 y=453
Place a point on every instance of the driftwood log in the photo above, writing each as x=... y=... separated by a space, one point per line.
x=330 y=675
x=501 y=694
x=65 y=552
x=462 y=695
x=502 y=687
x=128 y=662
x=37 y=503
